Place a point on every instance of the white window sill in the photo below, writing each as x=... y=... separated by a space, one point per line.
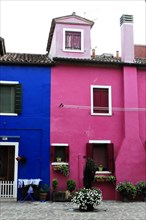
x=103 y=172
x=9 y=114
x=58 y=163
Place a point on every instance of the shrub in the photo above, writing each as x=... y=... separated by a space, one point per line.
x=127 y=188
x=71 y=185
x=85 y=197
x=141 y=186
x=89 y=172
x=54 y=183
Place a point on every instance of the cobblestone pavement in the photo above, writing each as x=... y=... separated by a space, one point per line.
x=110 y=210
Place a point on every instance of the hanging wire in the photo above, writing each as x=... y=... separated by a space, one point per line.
x=101 y=108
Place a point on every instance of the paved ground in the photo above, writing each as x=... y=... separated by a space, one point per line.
x=109 y=210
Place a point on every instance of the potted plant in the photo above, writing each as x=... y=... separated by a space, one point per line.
x=55 y=184
x=58 y=159
x=141 y=189
x=100 y=167
x=87 y=199
x=44 y=190
x=71 y=185
x=127 y=190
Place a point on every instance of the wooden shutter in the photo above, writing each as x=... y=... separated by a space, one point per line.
x=110 y=151
x=89 y=150
x=100 y=100
x=67 y=154
x=18 y=98
x=52 y=153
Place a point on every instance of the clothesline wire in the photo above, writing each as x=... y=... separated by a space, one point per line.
x=102 y=108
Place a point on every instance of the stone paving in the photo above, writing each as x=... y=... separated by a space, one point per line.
x=110 y=210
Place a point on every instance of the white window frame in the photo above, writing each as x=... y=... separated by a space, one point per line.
x=109 y=99
x=9 y=83
x=82 y=39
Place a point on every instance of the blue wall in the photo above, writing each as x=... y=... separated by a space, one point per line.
x=33 y=124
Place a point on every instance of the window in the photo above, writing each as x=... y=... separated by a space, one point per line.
x=73 y=40
x=101 y=153
x=61 y=151
x=10 y=98
x=101 y=100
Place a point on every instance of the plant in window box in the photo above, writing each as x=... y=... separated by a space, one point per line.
x=64 y=169
x=127 y=190
x=141 y=189
x=100 y=178
x=111 y=178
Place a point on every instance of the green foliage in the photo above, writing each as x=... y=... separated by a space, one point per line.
x=44 y=188
x=89 y=172
x=141 y=186
x=127 y=188
x=105 y=178
x=71 y=185
x=64 y=169
x=55 y=183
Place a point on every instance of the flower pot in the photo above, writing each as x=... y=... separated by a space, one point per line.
x=90 y=208
x=43 y=196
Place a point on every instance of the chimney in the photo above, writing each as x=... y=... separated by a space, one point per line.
x=127 y=39
x=2 y=47
x=93 y=54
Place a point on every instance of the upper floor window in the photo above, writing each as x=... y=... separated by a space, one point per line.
x=101 y=100
x=73 y=40
x=10 y=98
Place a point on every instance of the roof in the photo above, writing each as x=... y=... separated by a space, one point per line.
x=100 y=59
x=59 y=19
x=26 y=59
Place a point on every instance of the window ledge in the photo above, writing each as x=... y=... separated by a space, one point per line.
x=103 y=172
x=9 y=114
x=59 y=163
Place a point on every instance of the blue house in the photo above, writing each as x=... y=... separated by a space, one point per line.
x=24 y=119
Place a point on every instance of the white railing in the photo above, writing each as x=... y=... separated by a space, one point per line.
x=7 y=189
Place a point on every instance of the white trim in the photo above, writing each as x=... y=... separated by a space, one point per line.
x=58 y=144
x=16 y=145
x=9 y=114
x=82 y=39
x=109 y=99
x=103 y=172
x=9 y=82
x=99 y=141
x=58 y=163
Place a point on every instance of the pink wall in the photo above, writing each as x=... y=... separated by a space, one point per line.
x=73 y=124
x=76 y=126
x=59 y=41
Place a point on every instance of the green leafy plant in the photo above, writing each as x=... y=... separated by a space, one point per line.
x=71 y=185
x=85 y=197
x=127 y=188
x=64 y=170
x=55 y=183
x=141 y=187
x=104 y=178
x=44 y=188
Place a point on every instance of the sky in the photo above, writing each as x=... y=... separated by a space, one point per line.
x=25 y=24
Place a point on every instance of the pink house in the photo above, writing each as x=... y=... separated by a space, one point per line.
x=98 y=105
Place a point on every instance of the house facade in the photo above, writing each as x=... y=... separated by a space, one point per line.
x=24 y=120
x=97 y=106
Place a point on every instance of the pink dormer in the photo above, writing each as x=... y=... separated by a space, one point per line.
x=69 y=37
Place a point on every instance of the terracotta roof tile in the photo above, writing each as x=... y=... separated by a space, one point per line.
x=26 y=59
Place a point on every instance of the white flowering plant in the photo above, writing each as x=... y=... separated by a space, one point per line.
x=85 y=197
